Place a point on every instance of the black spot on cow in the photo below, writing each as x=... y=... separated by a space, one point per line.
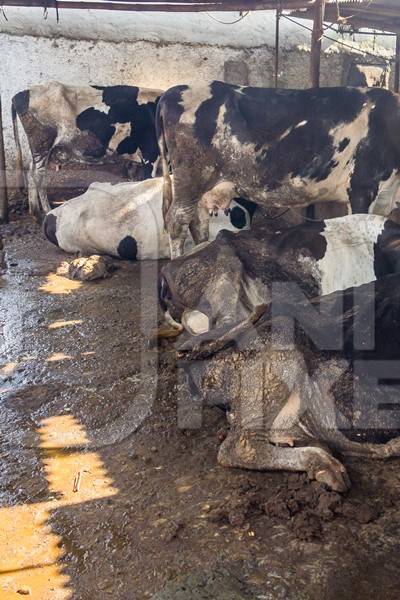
x=206 y=115
x=387 y=250
x=248 y=205
x=308 y=237
x=343 y=144
x=268 y=113
x=124 y=107
x=20 y=103
x=127 y=248
x=285 y=120
x=50 y=228
x=119 y=97
x=142 y=134
x=98 y=123
x=237 y=217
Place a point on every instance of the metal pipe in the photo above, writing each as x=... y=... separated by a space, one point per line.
x=277 y=32
x=3 y=179
x=397 y=66
x=149 y=5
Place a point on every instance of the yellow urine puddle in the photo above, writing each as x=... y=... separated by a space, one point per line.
x=56 y=284
x=29 y=550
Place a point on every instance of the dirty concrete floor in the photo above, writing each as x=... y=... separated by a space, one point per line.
x=103 y=494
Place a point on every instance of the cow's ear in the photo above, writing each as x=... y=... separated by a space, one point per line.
x=207 y=344
x=195 y=322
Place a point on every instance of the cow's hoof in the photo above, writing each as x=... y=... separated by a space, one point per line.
x=333 y=474
x=391 y=448
x=166 y=331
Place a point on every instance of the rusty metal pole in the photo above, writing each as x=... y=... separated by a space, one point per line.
x=3 y=179
x=277 y=28
x=397 y=66
x=316 y=43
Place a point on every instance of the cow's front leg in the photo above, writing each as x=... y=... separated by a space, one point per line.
x=177 y=224
x=250 y=450
x=33 y=195
x=41 y=178
x=199 y=226
x=177 y=228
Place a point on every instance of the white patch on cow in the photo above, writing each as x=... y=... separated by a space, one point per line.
x=195 y=322
x=349 y=257
x=286 y=419
x=386 y=199
x=57 y=105
x=192 y=98
x=224 y=139
x=223 y=221
x=285 y=134
x=221 y=116
x=100 y=106
x=146 y=95
x=155 y=167
x=336 y=185
x=290 y=129
x=97 y=221
x=122 y=131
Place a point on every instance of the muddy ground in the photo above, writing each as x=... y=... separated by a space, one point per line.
x=105 y=494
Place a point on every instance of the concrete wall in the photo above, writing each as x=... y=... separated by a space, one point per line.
x=156 y=50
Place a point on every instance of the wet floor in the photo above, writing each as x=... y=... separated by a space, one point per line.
x=103 y=494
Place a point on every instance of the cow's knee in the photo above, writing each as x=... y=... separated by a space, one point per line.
x=199 y=226
x=177 y=225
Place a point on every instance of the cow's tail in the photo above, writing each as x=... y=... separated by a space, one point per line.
x=167 y=185
x=19 y=166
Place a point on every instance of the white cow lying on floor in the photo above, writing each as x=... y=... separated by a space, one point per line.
x=125 y=221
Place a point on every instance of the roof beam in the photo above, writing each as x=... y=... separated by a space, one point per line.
x=163 y=6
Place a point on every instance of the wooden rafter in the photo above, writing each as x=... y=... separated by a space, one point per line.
x=316 y=43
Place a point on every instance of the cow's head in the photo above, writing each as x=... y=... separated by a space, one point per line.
x=215 y=285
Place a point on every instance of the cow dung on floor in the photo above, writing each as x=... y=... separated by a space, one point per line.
x=87 y=268
x=218 y=584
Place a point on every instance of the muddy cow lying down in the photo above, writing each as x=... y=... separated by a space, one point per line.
x=291 y=400
x=278 y=147
x=85 y=122
x=224 y=281
x=125 y=221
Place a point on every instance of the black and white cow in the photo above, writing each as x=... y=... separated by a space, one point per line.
x=285 y=148
x=125 y=221
x=89 y=123
x=222 y=283
x=293 y=399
